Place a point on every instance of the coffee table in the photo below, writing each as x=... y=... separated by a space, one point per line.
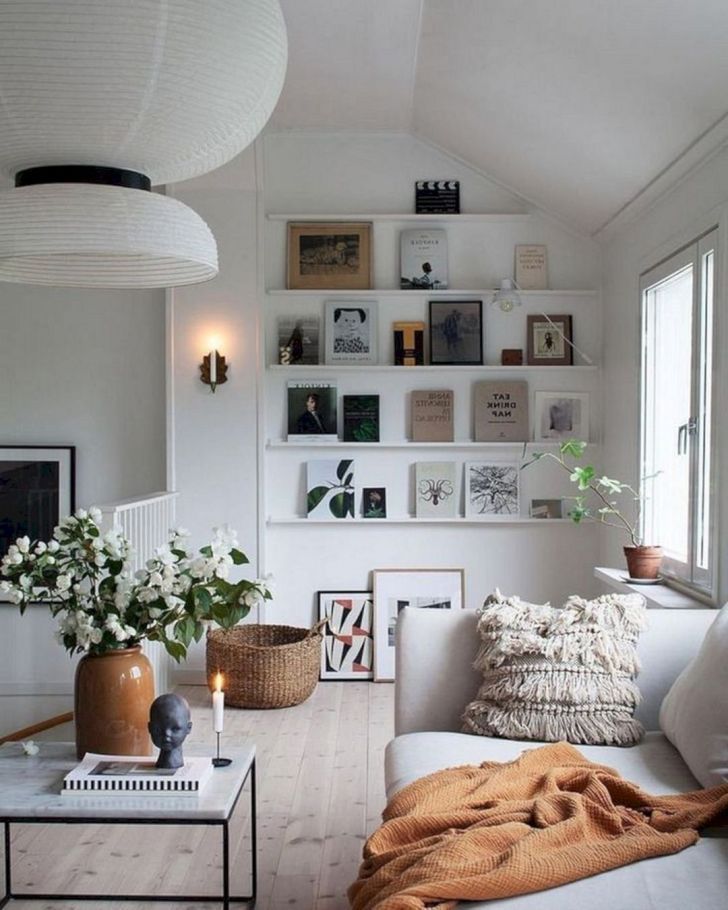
x=30 y=794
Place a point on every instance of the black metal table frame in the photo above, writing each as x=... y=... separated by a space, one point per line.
x=226 y=898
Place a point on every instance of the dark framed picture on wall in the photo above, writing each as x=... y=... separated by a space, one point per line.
x=329 y=255
x=456 y=332
x=37 y=489
x=348 y=645
x=549 y=340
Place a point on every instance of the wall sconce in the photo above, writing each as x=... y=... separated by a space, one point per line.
x=213 y=370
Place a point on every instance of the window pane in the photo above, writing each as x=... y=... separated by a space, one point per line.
x=668 y=322
x=704 y=440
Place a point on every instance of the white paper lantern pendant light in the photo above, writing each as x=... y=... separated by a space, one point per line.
x=102 y=101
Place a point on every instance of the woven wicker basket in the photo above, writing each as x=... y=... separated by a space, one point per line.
x=265 y=666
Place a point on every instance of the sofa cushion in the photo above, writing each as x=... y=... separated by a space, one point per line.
x=694 y=713
x=559 y=674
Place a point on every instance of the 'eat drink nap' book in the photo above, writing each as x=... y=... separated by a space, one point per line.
x=501 y=411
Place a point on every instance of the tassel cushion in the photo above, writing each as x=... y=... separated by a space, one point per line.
x=559 y=674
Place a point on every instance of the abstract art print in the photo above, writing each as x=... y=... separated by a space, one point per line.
x=348 y=645
x=561 y=415
x=395 y=589
x=491 y=490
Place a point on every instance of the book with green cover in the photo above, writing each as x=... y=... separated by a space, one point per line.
x=361 y=418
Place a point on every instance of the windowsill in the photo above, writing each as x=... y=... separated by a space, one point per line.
x=657 y=595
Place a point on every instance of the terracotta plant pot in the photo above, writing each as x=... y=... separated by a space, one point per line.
x=113 y=693
x=643 y=562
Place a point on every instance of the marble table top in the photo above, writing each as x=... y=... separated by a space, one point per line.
x=30 y=787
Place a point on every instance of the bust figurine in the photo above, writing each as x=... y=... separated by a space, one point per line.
x=169 y=724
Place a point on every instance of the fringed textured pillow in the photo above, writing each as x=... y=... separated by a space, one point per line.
x=553 y=674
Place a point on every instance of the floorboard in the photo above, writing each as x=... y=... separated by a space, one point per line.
x=320 y=793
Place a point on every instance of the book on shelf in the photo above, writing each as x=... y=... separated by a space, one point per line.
x=432 y=415
x=409 y=344
x=118 y=774
x=298 y=339
x=436 y=494
x=423 y=260
x=437 y=196
x=531 y=267
x=501 y=411
x=361 y=418
x=312 y=411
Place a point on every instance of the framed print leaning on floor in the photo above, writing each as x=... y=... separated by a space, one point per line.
x=348 y=645
x=395 y=589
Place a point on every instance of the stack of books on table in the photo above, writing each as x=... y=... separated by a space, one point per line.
x=117 y=775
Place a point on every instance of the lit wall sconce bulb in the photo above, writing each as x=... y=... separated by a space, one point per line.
x=507 y=297
x=213 y=370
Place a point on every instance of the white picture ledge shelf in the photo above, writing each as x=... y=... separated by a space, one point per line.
x=414 y=292
x=657 y=595
x=439 y=217
x=409 y=444
x=410 y=520
x=390 y=367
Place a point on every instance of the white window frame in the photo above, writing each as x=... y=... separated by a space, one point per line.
x=689 y=574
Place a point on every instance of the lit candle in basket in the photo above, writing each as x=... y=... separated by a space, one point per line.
x=218 y=705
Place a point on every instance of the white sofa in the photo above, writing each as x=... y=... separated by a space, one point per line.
x=435 y=680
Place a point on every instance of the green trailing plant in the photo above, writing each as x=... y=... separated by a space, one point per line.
x=600 y=498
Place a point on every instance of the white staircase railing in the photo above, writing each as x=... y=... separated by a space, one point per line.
x=146 y=522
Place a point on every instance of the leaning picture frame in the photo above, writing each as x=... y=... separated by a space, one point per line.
x=37 y=489
x=549 y=340
x=561 y=415
x=395 y=589
x=329 y=255
x=351 y=332
x=347 y=651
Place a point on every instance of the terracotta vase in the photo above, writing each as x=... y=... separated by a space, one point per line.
x=643 y=562
x=113 y=693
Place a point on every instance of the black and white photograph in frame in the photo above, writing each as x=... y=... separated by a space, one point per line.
x=347 y=651
x=456 y=332
x=560 y=416
x=298 y=339
x=492 y=490
x=351 y=331
x=395 y=589
x=37 y=489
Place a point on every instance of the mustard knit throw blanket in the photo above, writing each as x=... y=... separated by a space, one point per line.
x=497 y=830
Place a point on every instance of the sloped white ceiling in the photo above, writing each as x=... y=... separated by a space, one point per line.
x=577 y=105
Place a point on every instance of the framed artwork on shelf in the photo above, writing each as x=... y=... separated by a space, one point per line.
x=330 y=491
x=492 y=490
x=374 y=502
x=351 y=331
x=395 y=589
x=561 y=415
x=547 y=508
x=298 y=339
x=333 y=255
x=456 y=332
x=549 y=340
x=37 y=489
x=348 y=645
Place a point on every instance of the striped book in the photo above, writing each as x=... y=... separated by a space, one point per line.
x=119 y=774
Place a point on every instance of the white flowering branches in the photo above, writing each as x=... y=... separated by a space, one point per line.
x=85 y=577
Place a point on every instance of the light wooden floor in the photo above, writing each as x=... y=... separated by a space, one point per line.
x=320 y=792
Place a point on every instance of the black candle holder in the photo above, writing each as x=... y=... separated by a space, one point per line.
x=220 y=762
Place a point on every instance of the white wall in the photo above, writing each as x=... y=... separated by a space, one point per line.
x=83 y=368
x=696 y=204
x=314 y=174
x=213 y=437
